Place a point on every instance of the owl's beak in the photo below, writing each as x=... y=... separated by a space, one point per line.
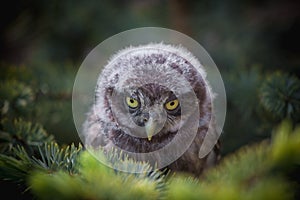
x=150 y=127
x=155 y=122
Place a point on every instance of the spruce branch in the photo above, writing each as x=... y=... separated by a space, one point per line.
x=97 y=181
x=251 y=173
x=280 y=96
x=13 y=168
x=260 y=171
x=53 y=158
x=241 y=87
x=20 y=132
x=16 y=98
x=18 y=166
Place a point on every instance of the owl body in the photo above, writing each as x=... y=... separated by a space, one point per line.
x=144 y=96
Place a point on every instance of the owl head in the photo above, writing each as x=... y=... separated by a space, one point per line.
x=146 y=94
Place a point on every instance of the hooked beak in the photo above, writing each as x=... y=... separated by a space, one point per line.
x=150 y=127
x=155 y=122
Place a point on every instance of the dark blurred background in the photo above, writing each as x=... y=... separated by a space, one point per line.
x=48 y=40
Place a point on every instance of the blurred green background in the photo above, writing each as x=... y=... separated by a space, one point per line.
x=43 y=43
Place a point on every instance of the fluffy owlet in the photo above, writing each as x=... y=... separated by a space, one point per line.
x=149 y=96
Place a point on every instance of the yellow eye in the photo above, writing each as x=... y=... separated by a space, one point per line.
x=131 y=102
x=172 y=105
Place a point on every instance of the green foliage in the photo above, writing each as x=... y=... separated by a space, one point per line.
x=243 y=119
x=20 y=132
x=41 y=95
x=50 y=158
x=257 y=103
x=30 y=157
x=55 y=171
x=16 y=98
x=285 y=151
x=259 y=171
x=280 y=96
x=242 y=86
x=15 y=168
x=54 y=158
x=18 y=73
x=96 y=181
x=254 y=172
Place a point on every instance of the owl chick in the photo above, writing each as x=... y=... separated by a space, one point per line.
x=144 y=100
